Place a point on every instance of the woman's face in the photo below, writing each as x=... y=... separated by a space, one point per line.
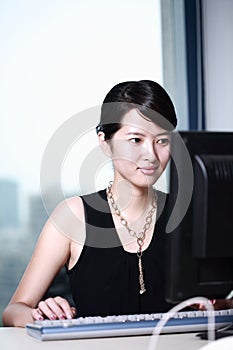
x=139 y=150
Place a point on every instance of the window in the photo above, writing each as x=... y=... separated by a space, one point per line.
x=58 y=58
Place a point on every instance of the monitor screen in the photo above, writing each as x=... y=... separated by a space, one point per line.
x=200 y=226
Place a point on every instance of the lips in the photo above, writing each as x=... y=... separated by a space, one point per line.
x=148 y=170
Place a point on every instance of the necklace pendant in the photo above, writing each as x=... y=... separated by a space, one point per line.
x=141 y=278
x=142 y=290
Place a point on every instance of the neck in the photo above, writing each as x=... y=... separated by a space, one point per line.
x=132 y=200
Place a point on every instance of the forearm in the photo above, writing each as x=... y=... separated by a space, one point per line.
x=17 y=315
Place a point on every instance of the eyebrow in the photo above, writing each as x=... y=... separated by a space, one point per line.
x=165 y=133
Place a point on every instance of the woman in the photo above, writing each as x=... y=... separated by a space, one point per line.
x=120 y=268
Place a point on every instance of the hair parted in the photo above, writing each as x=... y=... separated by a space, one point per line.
x=147 y=96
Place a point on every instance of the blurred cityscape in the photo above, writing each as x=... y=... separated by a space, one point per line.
x=18 y=238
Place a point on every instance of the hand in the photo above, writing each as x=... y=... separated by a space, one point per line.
x=53 y=309
x=222 y=304
x=218 y=304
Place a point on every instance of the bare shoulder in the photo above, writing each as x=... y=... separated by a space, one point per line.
x=74 y=203
x=68 y=218
x=73 y=226
x=63 y=226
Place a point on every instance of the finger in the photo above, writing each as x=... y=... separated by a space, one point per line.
x=74 y=311
x=201 y=306
x=48 y=310
x=37 y=315
x=198 y=306
x=68 y=311
x=60 y=307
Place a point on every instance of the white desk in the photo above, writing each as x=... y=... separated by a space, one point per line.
x=15 y=338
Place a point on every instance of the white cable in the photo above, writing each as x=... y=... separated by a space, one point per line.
x=171 y=313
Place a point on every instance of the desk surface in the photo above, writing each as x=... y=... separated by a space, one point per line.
x=11 y=338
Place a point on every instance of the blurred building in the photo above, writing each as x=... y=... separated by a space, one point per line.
x=9 y=204
x=37 y=215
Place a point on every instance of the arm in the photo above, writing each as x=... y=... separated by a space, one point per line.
x=53 y=250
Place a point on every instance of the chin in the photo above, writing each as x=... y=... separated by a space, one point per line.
x=145 y=184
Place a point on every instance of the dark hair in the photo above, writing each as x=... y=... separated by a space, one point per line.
x=147 y=96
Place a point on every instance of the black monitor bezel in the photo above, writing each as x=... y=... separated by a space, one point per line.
x=183 y=264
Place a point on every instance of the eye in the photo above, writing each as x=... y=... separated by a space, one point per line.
x=164 y=141
x=135 y=140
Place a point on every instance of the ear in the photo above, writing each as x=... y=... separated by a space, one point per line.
x=104 y=144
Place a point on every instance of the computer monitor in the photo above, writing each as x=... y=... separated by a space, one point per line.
x=200 y=238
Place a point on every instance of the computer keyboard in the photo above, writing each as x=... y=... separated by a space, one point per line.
x=126 y=325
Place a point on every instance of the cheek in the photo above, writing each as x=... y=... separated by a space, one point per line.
x=125 y=164
x=124 y=151
x=164 y=158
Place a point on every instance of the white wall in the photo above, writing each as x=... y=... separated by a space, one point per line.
x=218 y=63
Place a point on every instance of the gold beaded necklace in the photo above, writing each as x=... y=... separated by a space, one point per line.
x=140 y=236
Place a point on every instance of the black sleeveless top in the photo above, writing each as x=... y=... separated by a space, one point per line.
x=105 y=279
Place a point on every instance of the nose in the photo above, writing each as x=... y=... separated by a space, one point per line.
x=151 y=152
